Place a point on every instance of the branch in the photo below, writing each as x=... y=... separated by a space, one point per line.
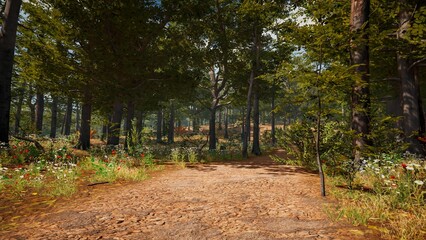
x=416 y=63
x=37 y=144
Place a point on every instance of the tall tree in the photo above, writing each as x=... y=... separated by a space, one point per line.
x=7 y=49
x=359 y=23
x=409 y=89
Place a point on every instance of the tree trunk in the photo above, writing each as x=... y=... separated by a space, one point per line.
x=317 y=145
x=243 y=125
x=159 y=125
x=54 y=120
x=139 y=122
x=226 y=134
x=246 y=133
x=360 y=11
x=104 y=132
x=212 y=129
x=256 y=121
x=129 y=119
x=86 y=115
x=219 y=127
x=19 y=111
x=77 y=117
x=68 y=117
x=115 y=124
x=273 y=137
x=31 y=106
x=7 y=53
x=409 y=91
x=39 y=112
x=420 y=103
x=171 y=133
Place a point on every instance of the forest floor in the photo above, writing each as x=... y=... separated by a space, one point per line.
x=254 y=199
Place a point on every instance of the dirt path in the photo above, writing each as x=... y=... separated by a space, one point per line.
x=240 y=200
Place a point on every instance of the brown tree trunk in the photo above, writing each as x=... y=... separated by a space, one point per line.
x=77 y=117
x=54 y=120
x=409 y=92
x=273 y=137
x=39 y=112
x=246 y=133
x=86 y=115
x=129 y=118
x=212 y=129
x=420 y=103
x=256 y=121
x=171 y=133
x=68 y=117
x=159 y=125
x=7 y=53
x=139 y=122
x=360 y=11
x=19 y=111
x=31 y=106
x=219 y=127
x=115 y=124
x=226 y=134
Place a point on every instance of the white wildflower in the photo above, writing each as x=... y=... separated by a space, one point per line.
x=410 y=167
x=419 y=182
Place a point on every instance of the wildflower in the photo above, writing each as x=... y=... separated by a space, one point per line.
x=59 y=157
x=410 y=168
x=118 y=169
x=69 y=156
x=392 y=177
x=404 y=165
x=14 y=147
x=15 y=157
x=113 y=152
x=142 y=155
x=26 y=151
x=419 y=182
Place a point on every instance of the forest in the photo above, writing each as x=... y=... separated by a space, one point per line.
x=97 y=93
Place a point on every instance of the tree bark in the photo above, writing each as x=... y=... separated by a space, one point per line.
x=86 y=115
x=39 y=112
x=212 y=129
x=246 y=133
x=104 y=132
x=31 y=106
x=171 y=133
x=7 y=53
x=129 y=123
x=77 y=117
x=54 y=120
x=159 y=125
x=219 y=127
x=360 y=11
x=68 y=117
x=420 y=103
x=139 y=122
x=19 y=111
x=115 y=124
x=409 y=91
x=273 y=137
x=226 y=134
x=256 y=121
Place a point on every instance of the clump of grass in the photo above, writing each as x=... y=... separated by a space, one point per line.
x=395 y=200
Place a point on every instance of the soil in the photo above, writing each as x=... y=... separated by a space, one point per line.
x=254 y=199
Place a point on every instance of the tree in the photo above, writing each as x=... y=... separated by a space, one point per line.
x=7 y=49
x=409 y=88
x=359 y=23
